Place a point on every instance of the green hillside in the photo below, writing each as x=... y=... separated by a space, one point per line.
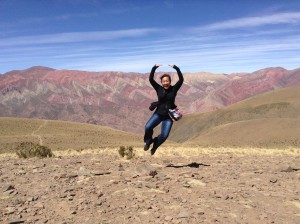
x=267 y=120
x=61 y=135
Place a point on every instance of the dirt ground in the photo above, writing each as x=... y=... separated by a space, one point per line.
x=102 y=187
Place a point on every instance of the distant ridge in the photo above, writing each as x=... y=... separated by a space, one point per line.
x=121 y=100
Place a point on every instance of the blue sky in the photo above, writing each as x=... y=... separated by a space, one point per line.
x=219 y=36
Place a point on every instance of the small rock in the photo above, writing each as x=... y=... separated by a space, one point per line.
x=39 y=205
x=8 y=187
x=21 y=172
x=217 y=195
x=289 y=169
x=100 y=194
x=98 y=203
x=137 y=219
x=176 y=221
x=21 y=209
x=165 y=189
x=16 y=221
x=263 y=216
x=186 y=185
x=157 y=215
x=115 y=181
x=72 y=175
x=68 y=189
x=139 y=185
x=135 y=176
x=29 y=199
x=10 y=210
x=140 y=200
x=146 y=178
x=121 y=168
x=83 y=171
x=162 y=176
x=252 y=204
x=63 y=195
x=155 y=208
x=200 y=212
x=100 y=173
x=219 y=209
x=150 y=185
x=168 y=218
x=226 y=197
x=127 y=179
x=273 y=180
x=12 y=191
x=183 y=214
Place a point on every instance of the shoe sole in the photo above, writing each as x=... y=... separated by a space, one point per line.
x=154 y=148
x=146 y=147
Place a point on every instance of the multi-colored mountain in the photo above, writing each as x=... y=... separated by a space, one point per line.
x=121 y=100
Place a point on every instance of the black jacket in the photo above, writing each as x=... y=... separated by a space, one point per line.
x=166 y=97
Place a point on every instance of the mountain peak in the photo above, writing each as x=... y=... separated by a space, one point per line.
x=31 y=70
x=271 y=69
x=35 y=69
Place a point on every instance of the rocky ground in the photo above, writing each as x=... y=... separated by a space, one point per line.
x=104 y=188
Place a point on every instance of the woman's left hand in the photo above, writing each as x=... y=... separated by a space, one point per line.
x=171 y=66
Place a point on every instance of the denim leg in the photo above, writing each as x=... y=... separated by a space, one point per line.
x=165 y=130
x=151 y=124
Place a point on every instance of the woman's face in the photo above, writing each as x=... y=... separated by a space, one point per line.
x=166 y=82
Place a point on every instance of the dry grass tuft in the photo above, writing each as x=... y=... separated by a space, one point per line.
x=126 y=152
x=30 y=150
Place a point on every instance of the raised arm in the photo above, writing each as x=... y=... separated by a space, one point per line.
x=180 y=76
x=151 y=77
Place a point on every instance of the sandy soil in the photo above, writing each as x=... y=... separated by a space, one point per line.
x=170 y=187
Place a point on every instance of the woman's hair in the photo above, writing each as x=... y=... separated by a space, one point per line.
x=165 y=75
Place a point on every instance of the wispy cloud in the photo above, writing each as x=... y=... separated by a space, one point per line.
x=31 y=21
x=75 y=37
x=214 y=50
x=280 y=18
x=222 y=57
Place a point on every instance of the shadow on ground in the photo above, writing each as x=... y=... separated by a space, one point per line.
x=192 y=165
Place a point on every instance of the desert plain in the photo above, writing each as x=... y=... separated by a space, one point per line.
x=176 y=185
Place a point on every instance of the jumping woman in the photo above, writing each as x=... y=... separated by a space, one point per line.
x=166 y=94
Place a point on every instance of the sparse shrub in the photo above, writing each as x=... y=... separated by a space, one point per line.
x=129 y=153
x=122 y=151
x=126 y=152
x=30 y=149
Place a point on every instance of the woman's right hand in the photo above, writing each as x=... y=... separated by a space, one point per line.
x=157 y=65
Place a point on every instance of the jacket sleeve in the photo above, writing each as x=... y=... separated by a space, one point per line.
x=180 y=76
x=151 y=78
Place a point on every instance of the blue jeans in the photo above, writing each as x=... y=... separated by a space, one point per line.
x=155 y=120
